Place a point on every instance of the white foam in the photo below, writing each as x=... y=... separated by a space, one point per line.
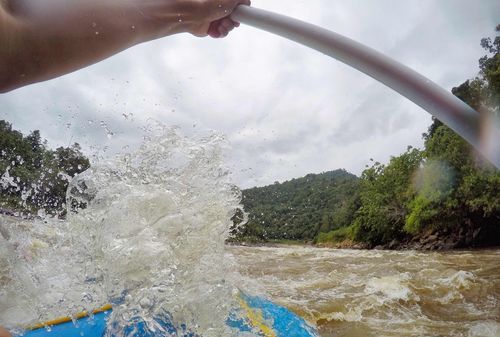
x=392 y=287
x=151 y=241
x=485 y=329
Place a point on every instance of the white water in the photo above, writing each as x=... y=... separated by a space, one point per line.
x=150 y=242
x=365 y=293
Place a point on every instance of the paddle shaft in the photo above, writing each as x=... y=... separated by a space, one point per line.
x=439 y=102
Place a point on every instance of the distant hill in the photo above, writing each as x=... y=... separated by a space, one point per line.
x=300 y=208
x=443 y=196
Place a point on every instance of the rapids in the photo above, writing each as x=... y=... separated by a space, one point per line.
x=356 y=293
x=151 y=241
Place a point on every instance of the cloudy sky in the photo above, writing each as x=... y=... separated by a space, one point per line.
x=286 y=110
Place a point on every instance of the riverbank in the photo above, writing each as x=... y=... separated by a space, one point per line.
x=430 y=240
x=444 y=240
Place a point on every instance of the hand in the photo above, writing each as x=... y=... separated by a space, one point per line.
x=4 y=333
x=40 y=40
x=215 y=18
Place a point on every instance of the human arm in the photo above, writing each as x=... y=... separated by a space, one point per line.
x=4 y=333
x=43 y=39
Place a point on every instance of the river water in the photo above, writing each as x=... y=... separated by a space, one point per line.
x=151 y=242
x=356 y=293
x=349 y=293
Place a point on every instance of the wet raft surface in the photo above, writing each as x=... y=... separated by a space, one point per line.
x=261 y=317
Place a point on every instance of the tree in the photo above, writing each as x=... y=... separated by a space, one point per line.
x=299 y=209
x=472 y=193
x=446 y=188
x=385 y=195
x=33 y=177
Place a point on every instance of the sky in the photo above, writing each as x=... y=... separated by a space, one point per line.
x=285 y=110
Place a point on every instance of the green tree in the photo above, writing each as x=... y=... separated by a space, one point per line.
x=446 y=188
x=385 y=195
x=33 y=177
x=299 y=209
x=453 y=189
x=469 y=201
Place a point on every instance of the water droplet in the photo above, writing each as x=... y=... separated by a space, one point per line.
x=94 y=24
x=109 y=133
x=133 y=27
x=96 y=33
x=145 y=303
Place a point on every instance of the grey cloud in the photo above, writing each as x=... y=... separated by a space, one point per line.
x=286 y=110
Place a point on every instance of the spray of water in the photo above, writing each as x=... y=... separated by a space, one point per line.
x=148 y=238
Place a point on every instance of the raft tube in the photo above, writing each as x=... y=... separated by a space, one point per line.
x=257 y=315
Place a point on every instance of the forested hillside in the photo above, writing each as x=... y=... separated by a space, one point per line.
x=300 y=208
x=34 y=178
x=443 y=196
x=446 y=191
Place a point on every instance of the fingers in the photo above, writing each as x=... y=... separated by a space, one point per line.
x=220 y=22
x=226 y=25
x=221 y=27
x=213 y=30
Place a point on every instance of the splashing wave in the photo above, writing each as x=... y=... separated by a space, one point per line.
x=150 y=241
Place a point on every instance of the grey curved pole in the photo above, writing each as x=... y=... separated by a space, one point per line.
x=437 y=101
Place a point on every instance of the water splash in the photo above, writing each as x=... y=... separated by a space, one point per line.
x=148 y=238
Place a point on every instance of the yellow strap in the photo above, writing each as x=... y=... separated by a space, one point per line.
x=256 y=319
x=61 y=320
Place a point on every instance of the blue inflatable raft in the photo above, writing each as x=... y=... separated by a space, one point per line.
x=260 y=315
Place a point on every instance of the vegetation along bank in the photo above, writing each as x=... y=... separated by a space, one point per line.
x=443 y=196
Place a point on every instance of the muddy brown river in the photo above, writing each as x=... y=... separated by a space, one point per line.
x=363 y=293
x=344 y=293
